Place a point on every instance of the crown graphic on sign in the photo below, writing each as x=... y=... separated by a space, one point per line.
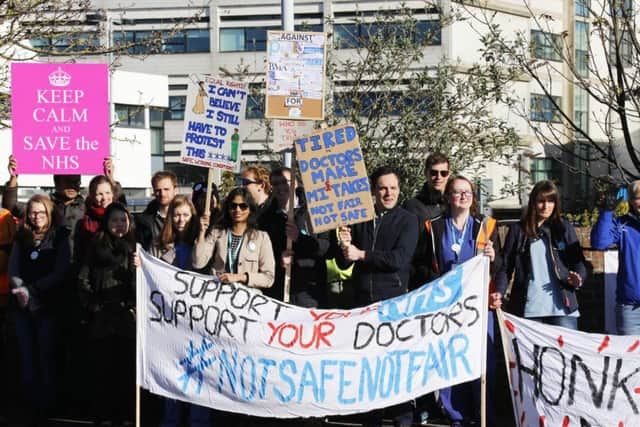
x=59 y=78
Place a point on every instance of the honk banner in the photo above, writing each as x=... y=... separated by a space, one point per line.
x=561 y=377
x=226 y=346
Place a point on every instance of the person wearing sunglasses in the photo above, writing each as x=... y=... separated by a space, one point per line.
x=429 y=201
x=235 y=250
x=256 y=180
x=449 y=240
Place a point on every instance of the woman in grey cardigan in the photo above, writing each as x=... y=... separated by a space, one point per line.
x=235 y=250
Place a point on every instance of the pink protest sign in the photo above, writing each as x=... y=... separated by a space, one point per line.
x=60 y=117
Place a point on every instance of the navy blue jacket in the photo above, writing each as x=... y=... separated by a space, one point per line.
x=624 y=232
x=566 y=255
x=384 y=273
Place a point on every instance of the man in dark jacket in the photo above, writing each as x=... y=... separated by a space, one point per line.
x=428 y=202
x=149 y=224
x=307 y=258
x=382 y=250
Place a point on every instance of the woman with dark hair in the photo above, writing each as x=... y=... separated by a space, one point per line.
x=545 y=254
x=37 y=266
x=102 y=192
x=235 y=249
x=199 y=199
x=107 y=290
x=450 y=239
x=174 y=246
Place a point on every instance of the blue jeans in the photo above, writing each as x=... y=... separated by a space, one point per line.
x=569 y=322
x=628 y=319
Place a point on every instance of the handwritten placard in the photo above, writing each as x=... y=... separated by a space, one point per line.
x=60 y=117
x=571 y=378
x=226 y=346
x=214 y=122
x=286 y=131
x=335 y=178
x=295 y=75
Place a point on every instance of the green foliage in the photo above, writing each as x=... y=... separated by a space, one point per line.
x=405 y=107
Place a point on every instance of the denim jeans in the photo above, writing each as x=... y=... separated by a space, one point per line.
x=569 y=322
x=628 y=319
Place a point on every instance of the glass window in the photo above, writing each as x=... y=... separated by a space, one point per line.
x=231 y=39
x=67 y=42
x=197 y=40
x=582 y=7
x=157 y=141
x=313 y=28
x=176 y=107
x=581 y=109
x=156 y=117
x=546 y=45
x=624 y=47
x=255 y=39
x=346 y=36
x=130 y=116
x=543 y=109
x=255 y=107
x=544 y=169
x=173 y=42
x=356 y=35
x=582 y=48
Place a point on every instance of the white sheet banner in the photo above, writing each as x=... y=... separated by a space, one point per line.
x=561 y=377
x=226 y=346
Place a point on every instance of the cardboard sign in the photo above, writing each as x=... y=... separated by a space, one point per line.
x=226 y=346
x=214 y=123
x=335 y=178
x=60 y=117
x=286 y=131
x=295 y=75
x=561 y=377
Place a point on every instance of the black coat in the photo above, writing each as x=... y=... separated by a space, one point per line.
x=428 y=262
x=42 y=268
x=106 y=286
x=566 y=254
x=309 y=269
x=426 y=205
x=384 y=273
x=148 y=225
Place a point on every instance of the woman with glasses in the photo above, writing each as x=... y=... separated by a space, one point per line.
x=545 y=254
x=235 y=250
x=449 y=240
x=38 y=263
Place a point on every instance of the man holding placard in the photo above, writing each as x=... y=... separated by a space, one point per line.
x=381 y=251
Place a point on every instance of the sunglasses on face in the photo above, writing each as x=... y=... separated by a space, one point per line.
x=435 y=173
x=247 y=181
x=241 y=206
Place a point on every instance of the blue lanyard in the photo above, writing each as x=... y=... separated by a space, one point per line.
x=232 y=256
x=457 y=241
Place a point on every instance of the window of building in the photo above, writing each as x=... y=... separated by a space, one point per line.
x=255 y=106
x=582 y=48
x=253 y=39
x=349 y=36
x=582 y=7
x=543 y=108
x=546 y=45
x=130 y=116
x=150 y=42
x=176 y=107
x=156 y=124
x=581 y=158
x=67 y=42
x=581 y=108
x=623 y=46
x=545 y=168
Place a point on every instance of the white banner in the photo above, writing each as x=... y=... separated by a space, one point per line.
x=561 y=377
x=610 y=285
x=228 y=347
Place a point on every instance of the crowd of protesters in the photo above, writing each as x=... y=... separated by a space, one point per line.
x=68 y=289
